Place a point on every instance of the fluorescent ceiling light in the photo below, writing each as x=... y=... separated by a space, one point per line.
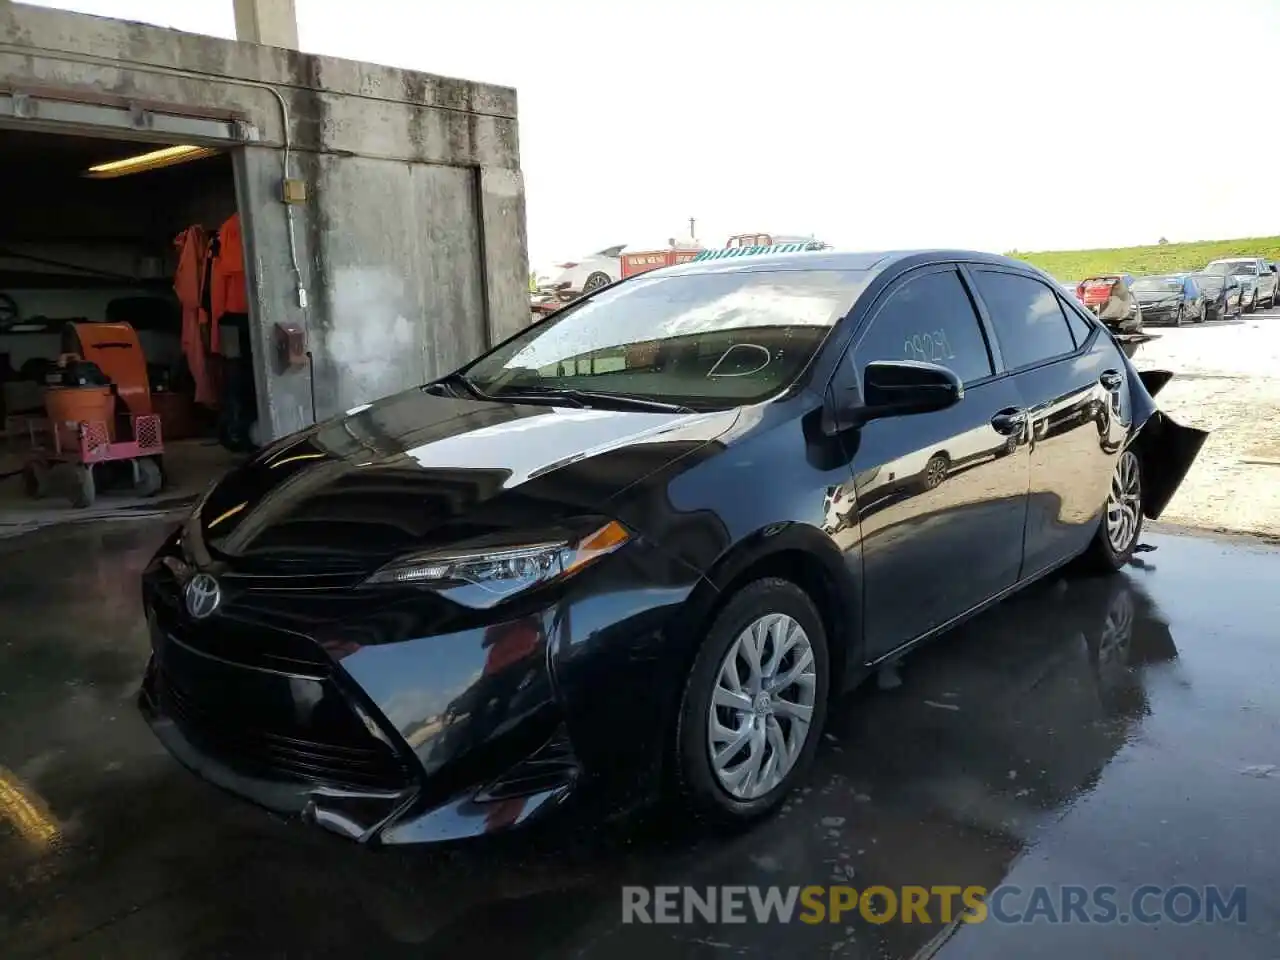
x=165 y=157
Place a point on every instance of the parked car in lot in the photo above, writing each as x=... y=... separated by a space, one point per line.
x=642 y=544
x=1110 y=298
x=603 y=267
x=1175 y=299
x=1258 y=279
x=1221 y=295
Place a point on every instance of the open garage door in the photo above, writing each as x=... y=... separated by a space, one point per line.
x=100 y=205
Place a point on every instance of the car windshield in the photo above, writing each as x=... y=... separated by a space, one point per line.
x=703 y=340
x=1157 y=285
x=1233 y=268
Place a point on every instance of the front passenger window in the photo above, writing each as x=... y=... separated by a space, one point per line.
x=929 y=318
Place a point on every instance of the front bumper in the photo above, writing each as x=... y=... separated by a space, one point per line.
x=1161 y=313
x=394 y=717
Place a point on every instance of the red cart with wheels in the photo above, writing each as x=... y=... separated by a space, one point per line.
x=82 y=447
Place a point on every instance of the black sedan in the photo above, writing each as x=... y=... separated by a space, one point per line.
x=1221 y=296
x=639 y=546
x=1175 y=299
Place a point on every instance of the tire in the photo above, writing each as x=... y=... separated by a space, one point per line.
x=1180 y=317
x=595 y=281
x=149 y=479
x=1106 y=554
x=83 y=489
x=935 y=471
x=35 y=480
x=711 y=795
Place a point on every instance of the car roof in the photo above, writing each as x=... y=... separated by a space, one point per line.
x=871 y=262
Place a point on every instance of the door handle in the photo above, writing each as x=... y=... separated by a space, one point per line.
x=1111 y=379
x=1009 y=421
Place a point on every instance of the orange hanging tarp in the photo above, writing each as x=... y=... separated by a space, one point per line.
x=229 y=292
x=188 y=282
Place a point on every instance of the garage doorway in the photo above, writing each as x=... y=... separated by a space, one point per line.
x=89 y=236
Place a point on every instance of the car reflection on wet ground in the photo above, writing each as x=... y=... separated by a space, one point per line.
x=1119 y=731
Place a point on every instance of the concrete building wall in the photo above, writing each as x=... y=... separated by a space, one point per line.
x=411 y=244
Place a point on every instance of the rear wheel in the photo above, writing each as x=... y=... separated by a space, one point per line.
x=35 y=479
x=595 y=281
x=1121 y=523
x=754 y=704
x=935 y=471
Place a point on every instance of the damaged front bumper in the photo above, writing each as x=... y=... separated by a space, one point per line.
x=1165 y=448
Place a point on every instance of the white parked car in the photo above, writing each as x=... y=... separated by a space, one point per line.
x=605 y=266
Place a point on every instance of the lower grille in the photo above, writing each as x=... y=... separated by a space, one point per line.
x=361 y=760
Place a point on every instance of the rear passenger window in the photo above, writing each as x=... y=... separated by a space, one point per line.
x=1028 y=320
x=1080 y=327
x=929 y=318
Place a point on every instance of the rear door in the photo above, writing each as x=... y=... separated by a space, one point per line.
x=1069 y=380
x=941 y=497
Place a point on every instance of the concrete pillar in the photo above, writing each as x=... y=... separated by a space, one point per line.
x=272 y=23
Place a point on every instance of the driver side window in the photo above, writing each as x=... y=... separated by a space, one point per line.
x=929 y=318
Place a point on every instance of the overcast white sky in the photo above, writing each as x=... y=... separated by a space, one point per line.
x=994 y=124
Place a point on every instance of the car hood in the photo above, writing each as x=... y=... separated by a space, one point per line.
x=1150 y=299
x=418 y=471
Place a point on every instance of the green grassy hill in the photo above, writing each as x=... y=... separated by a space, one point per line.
x=1163 y=258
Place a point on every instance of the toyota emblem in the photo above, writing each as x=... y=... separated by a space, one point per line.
x=202 y=595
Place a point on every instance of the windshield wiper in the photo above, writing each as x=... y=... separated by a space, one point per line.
x=461 y=380
x=590 y=398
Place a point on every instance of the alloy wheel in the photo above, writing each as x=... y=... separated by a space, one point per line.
x=1124 y=505
x=762 y=706
x=935 y=471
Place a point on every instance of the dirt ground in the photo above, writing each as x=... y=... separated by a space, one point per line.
x=1227 y=382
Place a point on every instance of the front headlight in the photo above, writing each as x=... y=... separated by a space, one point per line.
x=484 y=575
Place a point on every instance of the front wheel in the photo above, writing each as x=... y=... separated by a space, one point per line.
x=1121 y=522
x=754 y=703
x=1180 y=316
x=148 y=480
x=83 y=489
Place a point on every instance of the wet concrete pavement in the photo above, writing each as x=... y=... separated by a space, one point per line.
x=1118 y=731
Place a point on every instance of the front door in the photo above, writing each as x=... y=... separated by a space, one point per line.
x=1069 y=377
x=941 y=497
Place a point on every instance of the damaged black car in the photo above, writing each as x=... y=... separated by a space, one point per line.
x=639 y=547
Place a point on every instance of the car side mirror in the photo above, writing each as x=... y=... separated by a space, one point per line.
x=895 y=388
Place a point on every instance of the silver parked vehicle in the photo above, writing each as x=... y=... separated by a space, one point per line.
x=1258 y=279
